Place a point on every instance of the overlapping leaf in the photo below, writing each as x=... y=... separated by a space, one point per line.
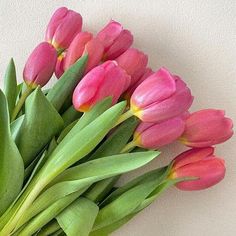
x=11 y=164
x=40 y=124
x=78 y=218
x=82 y=176
x=64 y=87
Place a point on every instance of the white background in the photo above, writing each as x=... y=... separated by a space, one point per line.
x=193 y=38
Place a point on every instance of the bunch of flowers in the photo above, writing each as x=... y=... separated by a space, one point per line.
x=63 y=149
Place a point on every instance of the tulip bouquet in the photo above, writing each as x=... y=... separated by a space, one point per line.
x=63 y=148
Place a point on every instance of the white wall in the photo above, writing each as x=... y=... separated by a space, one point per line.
x=193 y=38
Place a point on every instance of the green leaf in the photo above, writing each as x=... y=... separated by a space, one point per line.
x=19 y=89
x=117 y=140
x=88 y=117
x=78 y=218
x=66 y=130
x=123 y=205
x=47 y=215
x=159 y=175
x=15 y=126
x=74 y=146
x=107 y=230
x=79 y=143
x=82 y=176
x=161 y=185
x=12 y=167
x=41 y=123
x=126 y=199
x=70 y=115
x=150 y=199
x=99 y=190
x=156 y=192
x=10 y=86
x=112 y=145
x=60 y=232
x=50 y=228
x=66 y=84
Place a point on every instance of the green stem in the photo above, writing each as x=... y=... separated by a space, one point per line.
x=21 y=102
x=129 y=146
x=124 y=117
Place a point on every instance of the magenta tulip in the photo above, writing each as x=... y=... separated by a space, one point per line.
x=200 y=164
x=160 y=97
x=156 y=135
x=82 y=43
x=134 y=62
x=147 y=73
x=63 y=27
x=104 y=80
x=115 y=40
x=59 y=70
x=40 y=65
x=206 y=128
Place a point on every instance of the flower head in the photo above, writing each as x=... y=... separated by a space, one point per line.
x=200 y=164
x=105 y=80
x=160 y=97
x=40 y=65
x=206 y=128
x=62 y=27
x=115 y=40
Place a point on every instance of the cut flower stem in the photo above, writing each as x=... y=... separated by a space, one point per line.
x=21 y=102
x=124 y=117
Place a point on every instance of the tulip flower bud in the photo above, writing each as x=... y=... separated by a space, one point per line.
x=115 y=40
x=199 y=163
x=206 y=128
x=63 y=27
x=40 y=65
x=134 y=62
x=160 y=97
x=148 y=72
x=156 y=135
x=82 y=43
x=59 y=70
x=103 y=81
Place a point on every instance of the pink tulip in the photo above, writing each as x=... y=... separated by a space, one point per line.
x=134 y=62
x=40 y=65
x=206 y=128
x=59 y=70
x=63 y=27
x=160 y=97
x=104 y=80
x=147 y=73
x=156 y=135
x=115 y=40
x=200 y=164
x=82 y=43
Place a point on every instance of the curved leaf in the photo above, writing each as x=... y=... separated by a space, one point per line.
x=78 y=218
x=10 y=86
x=47 y=215
x=11 y=164
x=42 y=122
x=64 y=87
x=82 y=176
